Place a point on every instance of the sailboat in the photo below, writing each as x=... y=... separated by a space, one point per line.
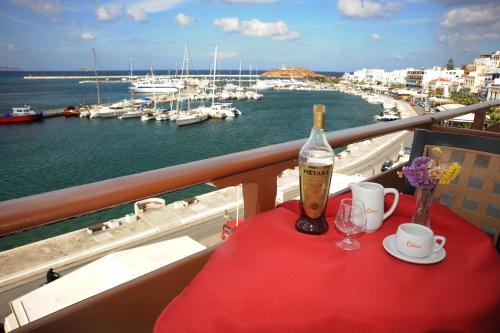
x=218 y=109
x=253 y=94
x=189 y=116
x=88 y=113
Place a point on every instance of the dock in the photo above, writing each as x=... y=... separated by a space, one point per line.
x=125 y=78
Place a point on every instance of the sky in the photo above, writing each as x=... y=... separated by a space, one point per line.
x=320 y=35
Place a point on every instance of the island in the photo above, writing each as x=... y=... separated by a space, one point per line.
x=296 y=72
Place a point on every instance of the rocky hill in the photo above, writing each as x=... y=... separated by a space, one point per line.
x=296 y=72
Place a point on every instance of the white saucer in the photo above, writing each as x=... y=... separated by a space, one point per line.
x=390 y=247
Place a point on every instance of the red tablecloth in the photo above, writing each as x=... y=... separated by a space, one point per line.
x=267 y=277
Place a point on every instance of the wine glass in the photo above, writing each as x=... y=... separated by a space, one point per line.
x=351 y=220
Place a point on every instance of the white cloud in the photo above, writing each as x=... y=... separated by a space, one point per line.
x=466 y=41
x=255 y=28
x=469 y=26
x=139 y=9
x=475 y=15
x=11 y=48
x=228 y=24
x=183 y=19
x=367 y=8
x=108 y=12
x=47 y=7
x=376 y=36
x=398 y=56
x=87 y=36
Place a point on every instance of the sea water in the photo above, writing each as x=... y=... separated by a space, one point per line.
x=61 y=152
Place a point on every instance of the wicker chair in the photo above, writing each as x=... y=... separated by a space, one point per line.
x=475 y=193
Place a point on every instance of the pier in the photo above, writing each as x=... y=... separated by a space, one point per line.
x=125 y=78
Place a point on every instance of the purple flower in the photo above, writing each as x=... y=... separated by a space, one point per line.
x=419 y=173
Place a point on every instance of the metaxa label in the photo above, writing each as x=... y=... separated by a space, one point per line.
x=315 y=183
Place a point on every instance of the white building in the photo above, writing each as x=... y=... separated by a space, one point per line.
x=454 y=77
x=493 y=90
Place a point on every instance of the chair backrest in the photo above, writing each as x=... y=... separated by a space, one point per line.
x=475 y=193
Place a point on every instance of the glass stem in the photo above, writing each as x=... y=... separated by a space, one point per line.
x=348 y=239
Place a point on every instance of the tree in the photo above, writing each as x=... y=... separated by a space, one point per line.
x=465 y=98
x=494 y=114
x=450 y=64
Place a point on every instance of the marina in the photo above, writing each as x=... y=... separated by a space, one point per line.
x=201 y=218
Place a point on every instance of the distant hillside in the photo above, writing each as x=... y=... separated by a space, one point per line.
x=292 y=72
x=9 y=69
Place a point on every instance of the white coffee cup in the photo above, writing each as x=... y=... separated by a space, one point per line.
x=415 y=240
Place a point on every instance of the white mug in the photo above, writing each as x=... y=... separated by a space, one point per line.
x=372 y=195
x=416 y=240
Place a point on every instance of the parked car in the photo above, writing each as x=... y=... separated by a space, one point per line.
x=387 y=165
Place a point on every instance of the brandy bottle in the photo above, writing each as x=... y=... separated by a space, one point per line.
x=315 y=166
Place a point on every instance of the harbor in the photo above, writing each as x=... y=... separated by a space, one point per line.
x=201 y=217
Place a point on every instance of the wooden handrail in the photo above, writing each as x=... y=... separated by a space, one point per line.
x=28 y=212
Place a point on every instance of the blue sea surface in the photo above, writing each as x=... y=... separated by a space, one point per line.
x=61 y=152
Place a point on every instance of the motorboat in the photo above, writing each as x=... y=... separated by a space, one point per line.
x=162 y=116
x=112 y=111
x=387 y=116
x=21 y=114
x=148 y=116
x=254 y=95
x=221 y=110
x=190 y=117
x=71 y=111
x=131 y=114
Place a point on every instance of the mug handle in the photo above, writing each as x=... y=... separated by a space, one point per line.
x=440 y=245
x=396 y=200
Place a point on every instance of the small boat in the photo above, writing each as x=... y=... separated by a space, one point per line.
x=131 y=114
x=190 y=117
x=147 y=116
x=387 y=116
x=71 y=111
x=161 y=116
x=21 y=115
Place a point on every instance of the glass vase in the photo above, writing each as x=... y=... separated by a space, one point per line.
x=423 y=206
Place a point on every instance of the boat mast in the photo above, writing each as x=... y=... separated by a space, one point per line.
x=215 y=67
x=154 y=89
x=96 y=79
x=130 y=66
x=250 y=78
x=239 y=79
x=182 y=76
x=187 y=74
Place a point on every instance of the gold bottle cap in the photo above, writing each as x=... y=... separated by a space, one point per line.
x=319 y=112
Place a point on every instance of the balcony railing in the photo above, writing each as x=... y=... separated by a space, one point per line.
x=133 y=306
x=256 y=169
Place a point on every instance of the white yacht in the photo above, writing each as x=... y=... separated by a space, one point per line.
x=112 y=111
x=387 y=116
x=147 y=116
x=190 y=117
x=155 y=85
x=162 y=116
x=131 y=114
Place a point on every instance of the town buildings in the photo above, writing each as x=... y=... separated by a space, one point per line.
x=481 y=77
